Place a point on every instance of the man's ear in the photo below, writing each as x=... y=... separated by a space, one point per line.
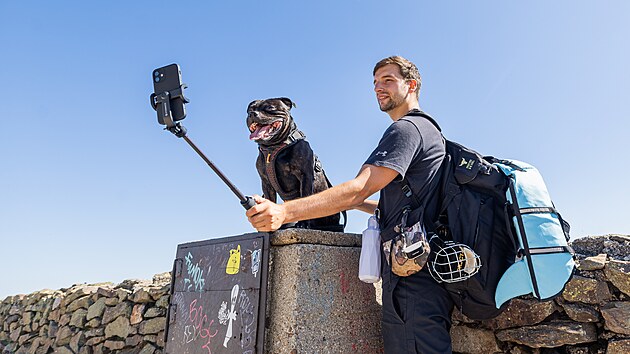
x=413 y=85
x=287 y=101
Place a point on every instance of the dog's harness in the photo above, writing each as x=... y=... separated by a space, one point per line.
x=270 y=155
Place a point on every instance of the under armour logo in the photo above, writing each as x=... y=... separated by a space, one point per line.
x=381 y=153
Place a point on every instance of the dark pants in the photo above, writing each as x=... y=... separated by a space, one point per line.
x=416 y=314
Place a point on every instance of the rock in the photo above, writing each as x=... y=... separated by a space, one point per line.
x=27 y=317
x=160 y=339
x=79 y=292
x=473 y=340
x=617 y=317
x=63 y=350
x=586 y=290
x=153 y=325
x=15 y=334
x=580 y=313
x=118 y=328
x=95 y=332
x=155 y=312
x=163 y=302
x=129 y=284
x=56 y=303
x=25 y=338
x=106 y=292
x=616 y=246
x=147 y=349
x=83 y=302
x=96 y=309
x=93 y=323
x=618 y=347
x=162 y=278
x=112 y=313
x=122 y=294
x=78 y=318
x=157 y=292
x=64 y=335
x=593 y=263
x=114 y=344
x=551 y=335
x=77 y=341
x=618 y=273
x=134 y=341
x=94 y=341
x=141 y=296
x=522 y=312
x=136 y=313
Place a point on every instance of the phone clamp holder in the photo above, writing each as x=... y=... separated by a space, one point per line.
x=161 y=104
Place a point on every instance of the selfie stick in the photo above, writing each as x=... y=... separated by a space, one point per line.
x=161 y=103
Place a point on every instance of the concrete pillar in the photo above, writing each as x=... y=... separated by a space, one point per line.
x=316 y=302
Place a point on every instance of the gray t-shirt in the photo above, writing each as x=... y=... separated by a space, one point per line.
x=416 y=152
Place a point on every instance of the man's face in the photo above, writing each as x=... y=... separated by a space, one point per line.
x=390 y=87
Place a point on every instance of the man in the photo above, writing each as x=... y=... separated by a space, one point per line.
x=416 y=309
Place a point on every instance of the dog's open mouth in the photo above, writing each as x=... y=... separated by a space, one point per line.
x=264 y=132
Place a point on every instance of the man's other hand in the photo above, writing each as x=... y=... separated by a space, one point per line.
x=266 y=216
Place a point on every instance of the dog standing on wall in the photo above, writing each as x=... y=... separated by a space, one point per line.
x=286 y=163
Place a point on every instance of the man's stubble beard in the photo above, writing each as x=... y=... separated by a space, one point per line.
x=393 y=103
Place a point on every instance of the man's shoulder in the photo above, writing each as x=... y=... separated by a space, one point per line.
x=424 y=124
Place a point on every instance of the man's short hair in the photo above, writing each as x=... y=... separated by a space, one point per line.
x=408 y=70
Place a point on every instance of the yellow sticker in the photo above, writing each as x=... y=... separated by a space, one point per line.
x=234 y=262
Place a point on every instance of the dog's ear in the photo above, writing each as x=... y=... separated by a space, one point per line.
x=288 y=102
x=254 y=102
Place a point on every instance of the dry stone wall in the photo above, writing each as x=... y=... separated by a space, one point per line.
x=592 y=315
x=88 y=319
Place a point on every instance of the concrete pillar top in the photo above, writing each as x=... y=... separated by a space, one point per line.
x=315 y=237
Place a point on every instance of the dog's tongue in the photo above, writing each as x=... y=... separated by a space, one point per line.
x=261 y=132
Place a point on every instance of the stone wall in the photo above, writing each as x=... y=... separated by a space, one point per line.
x=101 y=318
x=592 y=315
x=316 y=305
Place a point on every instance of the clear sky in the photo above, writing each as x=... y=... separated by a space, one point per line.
x=94 y=190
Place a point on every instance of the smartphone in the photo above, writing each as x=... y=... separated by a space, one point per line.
x=169 y=79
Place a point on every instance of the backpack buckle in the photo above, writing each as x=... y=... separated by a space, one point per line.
x=407 y=191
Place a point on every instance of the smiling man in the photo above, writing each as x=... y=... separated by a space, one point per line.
x=416 y=309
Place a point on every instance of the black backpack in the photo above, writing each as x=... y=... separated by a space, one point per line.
x=472 y=209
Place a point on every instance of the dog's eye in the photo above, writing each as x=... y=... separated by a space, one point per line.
x=270 y=109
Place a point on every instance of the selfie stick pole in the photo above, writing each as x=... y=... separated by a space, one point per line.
x=179 y=131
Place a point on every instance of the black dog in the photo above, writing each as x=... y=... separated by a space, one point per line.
x=286 y=163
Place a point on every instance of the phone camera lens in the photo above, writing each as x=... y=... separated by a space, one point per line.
x=156 y=73
x=157 y=79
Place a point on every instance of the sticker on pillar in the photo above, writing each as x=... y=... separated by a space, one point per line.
x=234 y=262
x=255 y=262
x=226 y=317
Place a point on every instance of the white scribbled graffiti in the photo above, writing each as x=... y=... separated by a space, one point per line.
x=229 y=315
x=224 y=315
x=247 y=320
x=195 y=278
x=255 y=262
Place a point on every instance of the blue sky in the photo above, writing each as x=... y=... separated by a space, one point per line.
x=93 y=190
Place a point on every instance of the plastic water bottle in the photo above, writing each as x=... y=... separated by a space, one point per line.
x=370 y=260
